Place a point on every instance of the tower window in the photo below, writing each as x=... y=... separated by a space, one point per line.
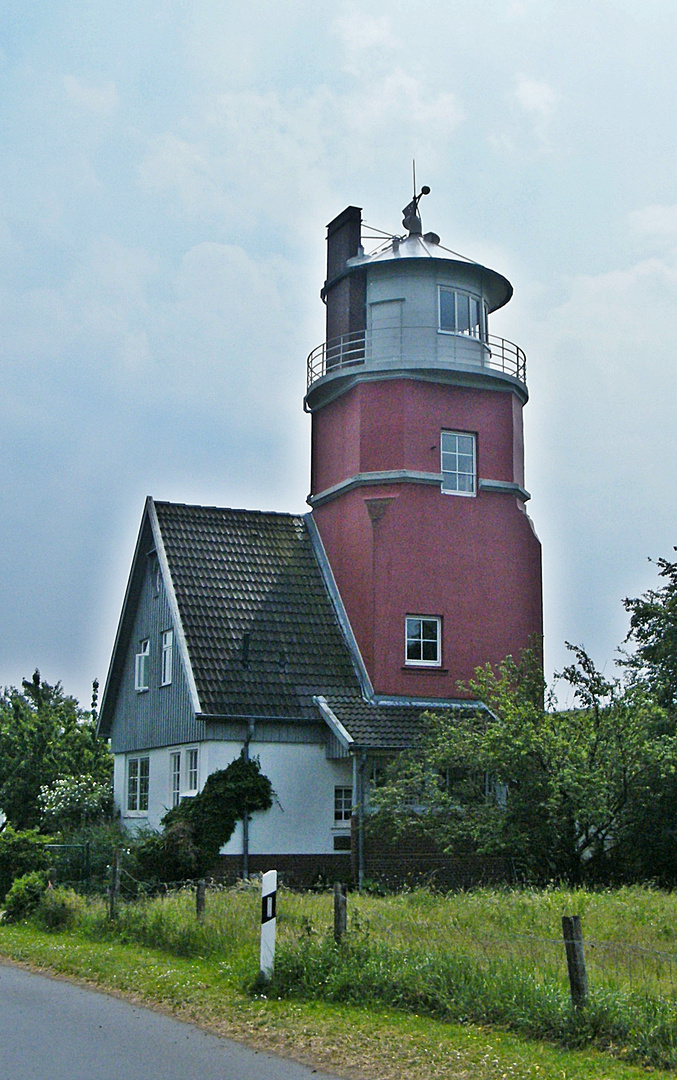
x=423 y=640
x=462 y=313
x=458 y=463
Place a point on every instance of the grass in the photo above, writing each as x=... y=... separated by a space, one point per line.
x=474 y=959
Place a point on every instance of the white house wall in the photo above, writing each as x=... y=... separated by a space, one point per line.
x=301 y=820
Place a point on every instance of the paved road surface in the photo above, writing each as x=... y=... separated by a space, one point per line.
x=52 y=1030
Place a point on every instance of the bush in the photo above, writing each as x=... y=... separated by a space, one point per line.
x=58 y=908
x=24 y=896
x=73 y=801
x=20 y=853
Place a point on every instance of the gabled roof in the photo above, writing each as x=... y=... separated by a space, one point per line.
x=259 y=625
x=260 y=628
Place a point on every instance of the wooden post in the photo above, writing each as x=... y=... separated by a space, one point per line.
x=114 y=887
x=340 y=911
x=573 y=943
x=200 y=898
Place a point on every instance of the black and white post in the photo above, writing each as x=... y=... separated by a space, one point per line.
x=268 y=920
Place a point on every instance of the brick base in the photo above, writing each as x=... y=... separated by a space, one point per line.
x=294 y=871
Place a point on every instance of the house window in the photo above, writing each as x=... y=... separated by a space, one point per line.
x=138 y=777
x=423 y=635
x=167 y=651
x=141 y=666
x=461 y=313
x=458 y=463
x=343 y=804
x=175 y=777
x=191 y=770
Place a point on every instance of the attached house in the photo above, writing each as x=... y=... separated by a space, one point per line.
x=233 y=636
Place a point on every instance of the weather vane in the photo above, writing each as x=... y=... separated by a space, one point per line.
x=411 y=218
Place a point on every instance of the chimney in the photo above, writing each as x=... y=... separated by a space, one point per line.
x=344 y=290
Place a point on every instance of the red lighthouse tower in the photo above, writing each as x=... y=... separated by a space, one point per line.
x=417 y=476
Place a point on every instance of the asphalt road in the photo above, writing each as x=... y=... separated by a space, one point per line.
x=52 y=1030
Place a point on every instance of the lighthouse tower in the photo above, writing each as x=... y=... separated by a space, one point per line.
x=417 y=475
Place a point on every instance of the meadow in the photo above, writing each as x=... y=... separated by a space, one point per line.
x=488 y=957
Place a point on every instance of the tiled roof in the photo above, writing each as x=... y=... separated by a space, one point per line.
x=261 y=630
x=380 y=725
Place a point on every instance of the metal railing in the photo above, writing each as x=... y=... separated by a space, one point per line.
x=417 y=346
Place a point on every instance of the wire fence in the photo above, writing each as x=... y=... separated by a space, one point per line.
x=618 y=965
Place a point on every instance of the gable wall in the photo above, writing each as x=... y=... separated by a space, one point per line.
x=161 y=715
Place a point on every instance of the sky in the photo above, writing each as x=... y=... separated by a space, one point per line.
x=167 y=170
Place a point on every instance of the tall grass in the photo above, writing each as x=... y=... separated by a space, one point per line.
x=490 y=956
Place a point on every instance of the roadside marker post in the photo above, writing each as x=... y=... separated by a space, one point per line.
x=268 y=921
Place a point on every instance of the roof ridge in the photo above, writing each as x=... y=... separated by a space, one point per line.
x=228 y=509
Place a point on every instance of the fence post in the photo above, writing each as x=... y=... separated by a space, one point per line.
x=573 y=943
x=88 y=861
x=268 y=921
x=200 y=898
x=340 y=911
x=114 y=886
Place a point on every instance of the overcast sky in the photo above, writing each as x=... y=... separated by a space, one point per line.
x=167 y=169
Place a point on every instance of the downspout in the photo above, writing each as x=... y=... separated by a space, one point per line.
x=360 y=820
x=245 y=820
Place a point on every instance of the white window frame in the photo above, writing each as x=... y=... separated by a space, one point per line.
x=167 y=641
x=451 y=477
x=175 y=777
x=410 y=638
x=141 y=666
x=481 y=324
x=138 y=784
x=343 y=805
x=192 y=770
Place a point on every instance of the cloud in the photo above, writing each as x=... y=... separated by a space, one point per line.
x=101 y=100
x=360 y=32
x=401 y=101
x=539 y=101
x=654 y=223
x=173 y=163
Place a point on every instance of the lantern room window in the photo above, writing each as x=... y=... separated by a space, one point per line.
x=462 y=313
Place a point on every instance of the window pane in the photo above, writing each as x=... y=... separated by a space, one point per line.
x=458 y=462
x=474 y=317
x=144 y=777
x=462 y=313
x=447 y=309
x=167 y=648
x=423 y=641
x=132 y=783
x=343 y=802
x=192 y=770
x=176 y=778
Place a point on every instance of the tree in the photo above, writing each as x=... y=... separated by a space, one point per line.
x=44 y=737
x=560 y=791
x=653 y=633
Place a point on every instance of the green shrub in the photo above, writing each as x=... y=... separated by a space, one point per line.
x=20 y=852
x=58 y=908
x=24 y=896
